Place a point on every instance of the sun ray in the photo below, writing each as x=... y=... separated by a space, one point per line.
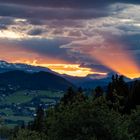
x=118 y=59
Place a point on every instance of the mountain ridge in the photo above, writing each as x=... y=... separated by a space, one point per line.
x=6 y=66
x=34 y=81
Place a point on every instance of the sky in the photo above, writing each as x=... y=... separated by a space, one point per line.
x=74 y=37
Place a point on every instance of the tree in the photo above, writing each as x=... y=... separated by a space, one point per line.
x=39 y=122
x=25 y=134
x=116 y=102
x=68 y=97
x=89 y=120
x=118 y=92
x=98 y=91
x=134 y=124
x=135 y=94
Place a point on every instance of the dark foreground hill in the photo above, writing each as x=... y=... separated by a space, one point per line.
x=33 y=81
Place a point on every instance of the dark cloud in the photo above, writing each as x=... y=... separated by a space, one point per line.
x=68 y=3
x=3 y=27
x=5 y=22
x=46 y=47
x=59 y=4
x=97 y=67
x=27 y=12
x=131 y=41
x=65 y=23
x=37 y=10
x=42 y=47
x=56 y=9
x=34 y=21
x=35 y=32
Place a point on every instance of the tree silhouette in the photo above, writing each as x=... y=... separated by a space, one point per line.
x=118 y=93
x=38 y=123
x=68 y=97
x=98 y=91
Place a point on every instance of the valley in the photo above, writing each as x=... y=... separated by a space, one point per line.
x=20 y=107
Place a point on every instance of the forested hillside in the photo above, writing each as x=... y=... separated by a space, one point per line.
x=114 y=115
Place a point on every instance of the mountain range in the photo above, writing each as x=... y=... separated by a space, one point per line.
x=24 y=70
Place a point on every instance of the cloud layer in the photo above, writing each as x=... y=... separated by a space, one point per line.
x=59 y=32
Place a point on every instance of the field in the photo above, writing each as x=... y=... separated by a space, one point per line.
x=20 y=106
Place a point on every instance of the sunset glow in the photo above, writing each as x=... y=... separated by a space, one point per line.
x=69 y=69
x=61 y=68
x=117 y=59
